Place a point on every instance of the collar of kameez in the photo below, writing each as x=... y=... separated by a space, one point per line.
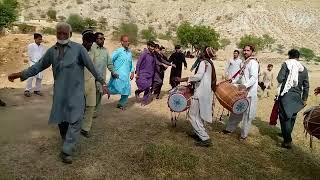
x=57 y=44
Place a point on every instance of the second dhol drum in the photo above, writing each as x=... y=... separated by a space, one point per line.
x=231 y=98
x=180 y=98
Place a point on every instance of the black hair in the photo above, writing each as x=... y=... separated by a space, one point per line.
x=293 y=54
x=157 y=46
x=98 y=34
x=177 y=47
x=252 y=48
x=37 y=35
x=162 y=48
x=270 y=65
x=237 y=51
x=151 y=43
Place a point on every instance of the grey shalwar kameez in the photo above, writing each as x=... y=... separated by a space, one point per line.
x=68 y=62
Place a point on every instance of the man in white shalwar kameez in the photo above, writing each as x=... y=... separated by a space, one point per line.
x=35 y=51
x=249 y=79
x=233 y=65
x=200 y=110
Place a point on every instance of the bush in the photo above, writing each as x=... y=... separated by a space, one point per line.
x=129 y=29
x=76 y=22
x=224 y=43
x=8 y=12
x=317 y=59
x=251 y=40
x=280 y=48
x=48 y=30
x=90 y=23
x=166 y=36
x=25 y=28
x=148 y=34
x=197 y=35
x=52 y=14
x=307 y=54
x=268 y=41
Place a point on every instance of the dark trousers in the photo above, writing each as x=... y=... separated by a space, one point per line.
x=70 y=133
x=156 y=88
x=146 y=94
x=287 y=124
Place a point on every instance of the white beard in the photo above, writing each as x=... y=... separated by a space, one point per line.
x=63 y=41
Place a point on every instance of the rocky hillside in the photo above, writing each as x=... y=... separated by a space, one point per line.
x=291 y=22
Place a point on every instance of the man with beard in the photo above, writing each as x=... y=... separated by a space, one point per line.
x=68 y=60
x=145 y=72
x=249 y=81
x=177 y=58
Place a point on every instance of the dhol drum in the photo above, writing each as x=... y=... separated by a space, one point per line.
x=180 y=98
x=312 y=121
x=231 y=98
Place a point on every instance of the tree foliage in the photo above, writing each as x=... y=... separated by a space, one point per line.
x=8 y=12
x=129 y=29
x=197 y=35
x=255 y=41
x=79 y=24
x=148 y=34
x=224 y=42
x=52 y=14
x=268 y=41
x=307 y=54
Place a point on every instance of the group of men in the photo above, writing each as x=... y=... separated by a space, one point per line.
x=79 y=83
x=150 y=70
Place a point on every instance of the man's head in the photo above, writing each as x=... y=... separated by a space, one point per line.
x=64 y=32
x=99 y=38
x=151 y=45
x=88 y=38
x=162 y=49
x=124 y=39
x=157 y=48
x=177 y=48
x=37 y=38
x=209 y=53
x=270 y=66
x=236 y=54
x=248 y=51
x=294 y=54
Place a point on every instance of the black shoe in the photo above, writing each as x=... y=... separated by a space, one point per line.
x=286 y=145
x=2 y=103
x=66 y=158
x=194 y=136
x=38 y=93
x=121 y=107
x=206 y=143
x=85 y=133
x=27 y=94
x=225 y=132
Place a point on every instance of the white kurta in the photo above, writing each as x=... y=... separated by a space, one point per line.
x=35 y=53
x=203 y=90
x=232 y=67
x=249 y=78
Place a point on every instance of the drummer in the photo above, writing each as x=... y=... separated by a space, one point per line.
x=248 y=77
x=201 y=102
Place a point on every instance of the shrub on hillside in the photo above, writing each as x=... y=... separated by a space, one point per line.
x=197 y=35
x=48 y=30
x=224 y=42
x=251 y=40
x=25 y=28
x=8 y=12
x=129 y=29
x=148 y=34
x=76 y=22
x=307 y=53
x=268 y=41
x=52 y=14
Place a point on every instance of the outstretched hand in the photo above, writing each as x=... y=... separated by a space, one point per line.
x=14 y=76
x=317 y=91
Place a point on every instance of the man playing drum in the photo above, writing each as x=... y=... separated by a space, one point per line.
x=204 y=81
x=248 y=77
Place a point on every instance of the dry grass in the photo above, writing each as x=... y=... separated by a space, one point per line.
x=140 y=143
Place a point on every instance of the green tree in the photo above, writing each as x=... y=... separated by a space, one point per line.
x=251 y=40
x=148 y=34
x=52 y=14
x=90 y=23
x=8 y=12
x=129 y=29
x=307 y=54
x=268 y=41
x=76 y=22
x=197 y=35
